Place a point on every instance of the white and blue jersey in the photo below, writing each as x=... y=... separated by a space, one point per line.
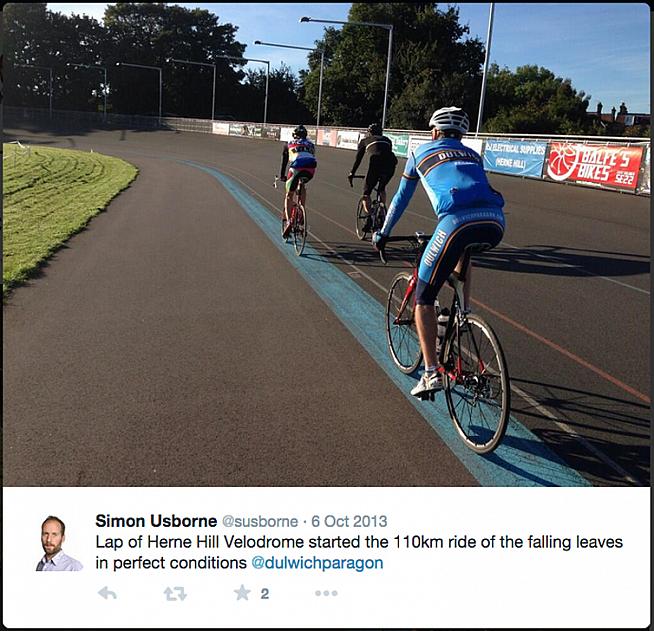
x=468 y=209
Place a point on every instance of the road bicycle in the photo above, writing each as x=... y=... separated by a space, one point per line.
x=369 y=223
x=472 y=363
x=297 y=218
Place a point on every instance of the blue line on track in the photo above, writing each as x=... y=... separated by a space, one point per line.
x=522 y=459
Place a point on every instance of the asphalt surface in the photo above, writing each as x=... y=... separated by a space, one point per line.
x=171 y=342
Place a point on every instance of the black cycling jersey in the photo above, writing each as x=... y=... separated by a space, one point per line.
x=380 y=150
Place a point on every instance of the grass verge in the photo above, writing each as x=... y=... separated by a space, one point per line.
x=48 y=196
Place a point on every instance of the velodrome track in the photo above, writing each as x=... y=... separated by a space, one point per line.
x=177 y=341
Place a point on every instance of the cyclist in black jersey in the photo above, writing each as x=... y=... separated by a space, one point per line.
x=382 y=163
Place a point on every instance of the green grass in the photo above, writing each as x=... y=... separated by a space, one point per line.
x=48 y=195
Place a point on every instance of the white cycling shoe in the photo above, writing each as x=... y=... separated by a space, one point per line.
x=428 y=383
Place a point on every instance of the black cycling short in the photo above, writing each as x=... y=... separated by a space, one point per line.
x=378 y=173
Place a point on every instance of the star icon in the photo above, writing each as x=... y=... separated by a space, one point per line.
x=242 y=592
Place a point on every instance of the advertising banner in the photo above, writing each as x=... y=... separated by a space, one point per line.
x=610 y=166
x=242 y=129
x=270 y=132
x=644 y=186
x=327 y=137
x=286 y=134
x=347 y=139
x=416 y=141
x=400 y=144
x=476 y=144
x=221 y=128
x=515 y=157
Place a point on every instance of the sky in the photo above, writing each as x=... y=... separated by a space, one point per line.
x=603 y=48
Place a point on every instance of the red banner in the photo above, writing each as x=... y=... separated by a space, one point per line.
x=612 y=166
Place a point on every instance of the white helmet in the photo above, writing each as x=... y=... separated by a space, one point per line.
x=453 y=118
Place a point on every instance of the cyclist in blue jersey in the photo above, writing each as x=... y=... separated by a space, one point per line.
x=469 y=211
x=300 y=152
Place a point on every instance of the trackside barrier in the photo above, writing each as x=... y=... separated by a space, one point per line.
x=614 y=164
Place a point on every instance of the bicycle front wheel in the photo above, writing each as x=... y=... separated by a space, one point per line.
x=299 y=229
x=477 y=385
x=401 y=332
x=363 y=221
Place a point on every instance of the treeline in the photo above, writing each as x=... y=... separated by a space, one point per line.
x=434 y=62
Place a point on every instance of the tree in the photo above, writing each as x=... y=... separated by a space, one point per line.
x=150 y=33
x=430 y=66
x=284 y=92
x=533 y=100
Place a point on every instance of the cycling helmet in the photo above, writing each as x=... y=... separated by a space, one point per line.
x=450 y=118
x=375 y=129
x=300 y=132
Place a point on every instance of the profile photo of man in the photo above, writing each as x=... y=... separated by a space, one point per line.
x=52 y=538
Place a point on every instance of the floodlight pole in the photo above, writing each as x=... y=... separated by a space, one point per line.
x=389 y=27
x=483 y=81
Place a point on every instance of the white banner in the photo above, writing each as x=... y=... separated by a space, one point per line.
x=221 y=128
x=347 y=139
x=416 y=141
x=475 y=144
x=286 y=134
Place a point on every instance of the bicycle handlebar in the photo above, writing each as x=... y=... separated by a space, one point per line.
x=354 y=177
x=414 y=238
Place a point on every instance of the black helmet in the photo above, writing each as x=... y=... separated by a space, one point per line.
x=300 y=132
x=375 y=129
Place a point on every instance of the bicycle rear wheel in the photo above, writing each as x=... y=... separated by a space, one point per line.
x=299 y=230
x=380 y=216
x=401 y=332
x=477 y=386
x=363 y=221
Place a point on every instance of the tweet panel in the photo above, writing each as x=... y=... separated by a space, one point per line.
x=326 y=557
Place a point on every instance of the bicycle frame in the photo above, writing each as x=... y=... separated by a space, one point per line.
x=296 y=198
x=456 y=281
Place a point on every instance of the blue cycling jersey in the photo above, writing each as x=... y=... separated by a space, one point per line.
x=453 y=177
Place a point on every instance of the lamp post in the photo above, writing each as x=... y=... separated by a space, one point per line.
x=263 y=61
x=202 y=63
x=483 y=81
x=322 y=63
x=41 y=68
x=122 y=63
x=104 y=88
x=390 y=46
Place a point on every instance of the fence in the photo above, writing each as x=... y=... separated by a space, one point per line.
x=616 y=164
